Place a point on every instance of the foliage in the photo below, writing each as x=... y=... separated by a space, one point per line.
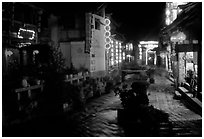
x=56 y=61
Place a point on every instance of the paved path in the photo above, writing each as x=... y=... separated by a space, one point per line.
x=184 y=121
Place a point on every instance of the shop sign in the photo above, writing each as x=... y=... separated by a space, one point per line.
x=88 y=31
x=26 y=34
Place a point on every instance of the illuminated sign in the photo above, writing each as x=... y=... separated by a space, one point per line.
x=26 y=34
x=148 y=42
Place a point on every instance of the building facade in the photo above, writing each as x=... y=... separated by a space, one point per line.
x=23 y=26
x=182 y=39
x=147 y=54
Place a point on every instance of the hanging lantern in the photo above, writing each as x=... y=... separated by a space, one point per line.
x=107 y=33
x=108 y=46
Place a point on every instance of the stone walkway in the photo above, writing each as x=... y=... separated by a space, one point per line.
x=184 y=121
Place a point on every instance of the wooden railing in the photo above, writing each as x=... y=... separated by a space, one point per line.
x=27 y=90
x=78 y=77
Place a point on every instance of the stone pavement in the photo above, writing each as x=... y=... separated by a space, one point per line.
x=184 y=121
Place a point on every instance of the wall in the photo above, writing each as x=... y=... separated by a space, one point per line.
x=98 y=48
x=65 y=48
x=79 y=58
x=74 y=52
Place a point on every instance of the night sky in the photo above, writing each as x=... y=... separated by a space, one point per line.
x=138 y=20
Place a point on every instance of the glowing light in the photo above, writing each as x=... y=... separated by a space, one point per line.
x=131 y=46
x=128 y=55
x=178 y=36
x=107 y=34
x=107 y=40
x=195 y=41
x=168 y=12
x=107 y=46
x=24 y=44
x=21 y=30
x=148 y=42
x=126 y=47
x=107 y=21
x=35 y=52
x=107 y=28
x=112 y=63
x=168 y=21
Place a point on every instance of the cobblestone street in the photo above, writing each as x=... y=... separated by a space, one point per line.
x=184 y=121
x=99 y=119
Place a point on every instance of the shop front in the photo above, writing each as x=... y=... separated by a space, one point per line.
x=184 y=38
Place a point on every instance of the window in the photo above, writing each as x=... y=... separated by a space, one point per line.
x=97 y=23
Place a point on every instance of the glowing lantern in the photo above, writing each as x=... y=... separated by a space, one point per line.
x=107 y=46
x=107 y=33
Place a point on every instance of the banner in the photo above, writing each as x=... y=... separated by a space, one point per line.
x=88 y=32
